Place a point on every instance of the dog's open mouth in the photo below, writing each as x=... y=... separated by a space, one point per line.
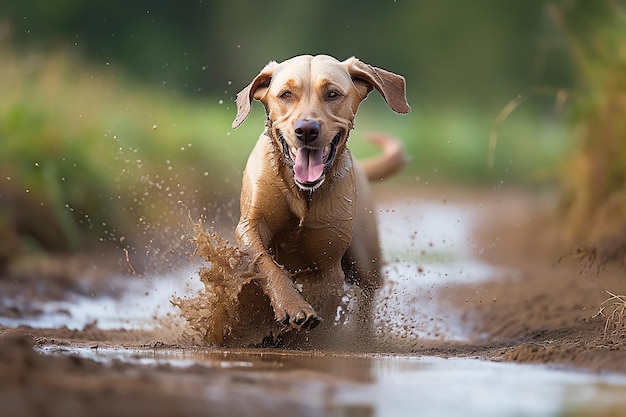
x=309 y=164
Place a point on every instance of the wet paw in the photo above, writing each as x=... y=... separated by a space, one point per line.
x=301 y=320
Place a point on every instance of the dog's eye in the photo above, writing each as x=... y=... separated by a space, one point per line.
x=332 y=94
x=285 y=95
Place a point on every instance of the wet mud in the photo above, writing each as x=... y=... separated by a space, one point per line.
x=536 y=306
x=232 y=311
x=216 y=312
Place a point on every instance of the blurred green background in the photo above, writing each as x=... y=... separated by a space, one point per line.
x=115 y=116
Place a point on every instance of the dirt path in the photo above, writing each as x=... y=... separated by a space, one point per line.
x=545 y=307
x=548 y=312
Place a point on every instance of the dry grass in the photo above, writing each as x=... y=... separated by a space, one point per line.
x=614 y=310
x=560 y=97
x=593 y=180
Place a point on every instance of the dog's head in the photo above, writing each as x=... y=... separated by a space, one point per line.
x=311 y=102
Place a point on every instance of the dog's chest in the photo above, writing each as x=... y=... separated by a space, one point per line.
x=318 y=238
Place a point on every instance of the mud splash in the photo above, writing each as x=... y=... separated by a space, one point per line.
x=428 y=246
x=227 y=276
x=232 y=310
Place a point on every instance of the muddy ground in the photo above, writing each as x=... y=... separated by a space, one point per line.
x=546 y=312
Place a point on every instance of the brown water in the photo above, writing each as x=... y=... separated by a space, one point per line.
x=430 y=248
x=341 y=384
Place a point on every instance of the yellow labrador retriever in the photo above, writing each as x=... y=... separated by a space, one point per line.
x=306 y=218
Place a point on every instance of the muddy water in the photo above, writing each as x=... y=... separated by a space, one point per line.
x=429 y=248
x=383 y=385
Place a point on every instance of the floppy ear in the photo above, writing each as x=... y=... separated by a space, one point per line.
x=391 y=86
x=253 y=90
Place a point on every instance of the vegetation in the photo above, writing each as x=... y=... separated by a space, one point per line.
x=84 y=152
x=615 y=323
x=116 y=126
x=475 y=54
x=594 y=177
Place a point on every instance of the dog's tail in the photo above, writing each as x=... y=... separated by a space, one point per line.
x=386 y=164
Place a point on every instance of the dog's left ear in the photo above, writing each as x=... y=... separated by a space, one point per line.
x=391 y=86
x=254 y=90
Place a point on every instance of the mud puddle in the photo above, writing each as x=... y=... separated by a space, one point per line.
x=430 y=249
x=144 y=305
x=340 y=384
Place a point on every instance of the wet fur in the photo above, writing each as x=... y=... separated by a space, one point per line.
x=307 y=239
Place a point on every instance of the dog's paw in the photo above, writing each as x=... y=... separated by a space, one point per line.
x=303 y=319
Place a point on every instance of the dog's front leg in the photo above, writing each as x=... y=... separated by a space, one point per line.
x=289 y=306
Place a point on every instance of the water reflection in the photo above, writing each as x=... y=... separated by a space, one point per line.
x=379 y=385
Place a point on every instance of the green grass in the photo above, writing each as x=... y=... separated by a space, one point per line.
x=453 y=144
x=83 y=151
x=88 y=155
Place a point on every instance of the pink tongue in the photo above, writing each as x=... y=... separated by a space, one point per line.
x=309 y=166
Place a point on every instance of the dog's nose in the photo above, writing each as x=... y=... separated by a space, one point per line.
x=307 y=130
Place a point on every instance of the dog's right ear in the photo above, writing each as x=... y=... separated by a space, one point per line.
x=254 y=90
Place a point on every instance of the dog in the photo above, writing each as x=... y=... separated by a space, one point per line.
x=307 y=221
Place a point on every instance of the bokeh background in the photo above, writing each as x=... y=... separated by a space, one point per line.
x=115 y=116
